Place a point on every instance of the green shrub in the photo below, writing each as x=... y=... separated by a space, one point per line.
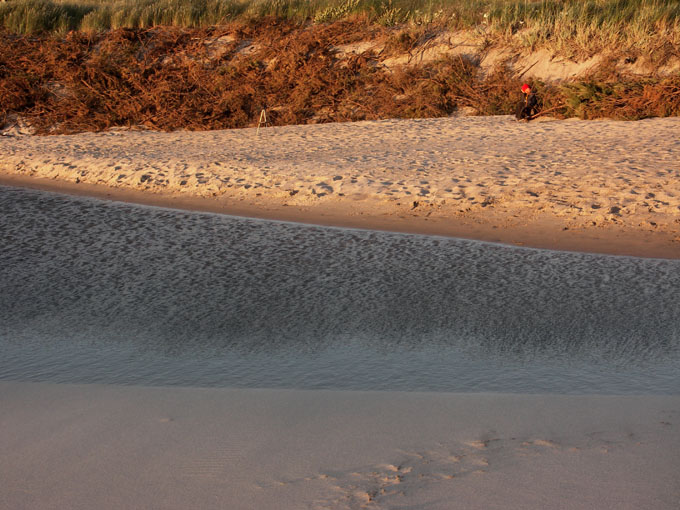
x=569 y=26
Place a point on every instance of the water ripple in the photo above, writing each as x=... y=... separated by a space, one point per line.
x=112 y=292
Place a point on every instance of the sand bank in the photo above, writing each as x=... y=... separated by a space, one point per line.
x=70 y=446
x=603 y=186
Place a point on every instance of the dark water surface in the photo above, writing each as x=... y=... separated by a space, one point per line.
x=95 y=291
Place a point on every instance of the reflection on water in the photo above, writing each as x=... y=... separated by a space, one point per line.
x=110 y=292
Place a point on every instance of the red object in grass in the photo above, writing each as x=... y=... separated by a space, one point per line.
x=526 y=88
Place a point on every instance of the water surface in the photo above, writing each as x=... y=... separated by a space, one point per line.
x=96 y=291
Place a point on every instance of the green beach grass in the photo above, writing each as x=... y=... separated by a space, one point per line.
x=542 y=19
x=573 y=28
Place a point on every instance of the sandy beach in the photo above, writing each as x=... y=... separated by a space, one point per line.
x=156 y=358
x=446 y=309
x=599 y=186
x=69 y=446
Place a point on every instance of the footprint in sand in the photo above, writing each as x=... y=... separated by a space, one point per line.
x=384 y=485
x=381 y=485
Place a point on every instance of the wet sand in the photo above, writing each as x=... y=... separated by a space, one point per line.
x=70 y=446
x=599 y=186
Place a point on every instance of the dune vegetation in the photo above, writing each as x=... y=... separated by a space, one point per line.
x=586 y=24
x=76 y=65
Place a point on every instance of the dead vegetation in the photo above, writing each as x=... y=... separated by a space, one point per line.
x=221 y=77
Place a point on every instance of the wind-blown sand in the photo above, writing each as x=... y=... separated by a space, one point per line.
x=65 y=446
x=605 y=186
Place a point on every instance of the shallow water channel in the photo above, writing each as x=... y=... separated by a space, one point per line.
x=106 y=292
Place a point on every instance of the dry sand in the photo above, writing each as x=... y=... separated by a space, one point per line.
x=65 y=446
x=604 y=186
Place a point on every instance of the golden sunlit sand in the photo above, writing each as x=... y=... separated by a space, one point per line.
x=601 y=186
